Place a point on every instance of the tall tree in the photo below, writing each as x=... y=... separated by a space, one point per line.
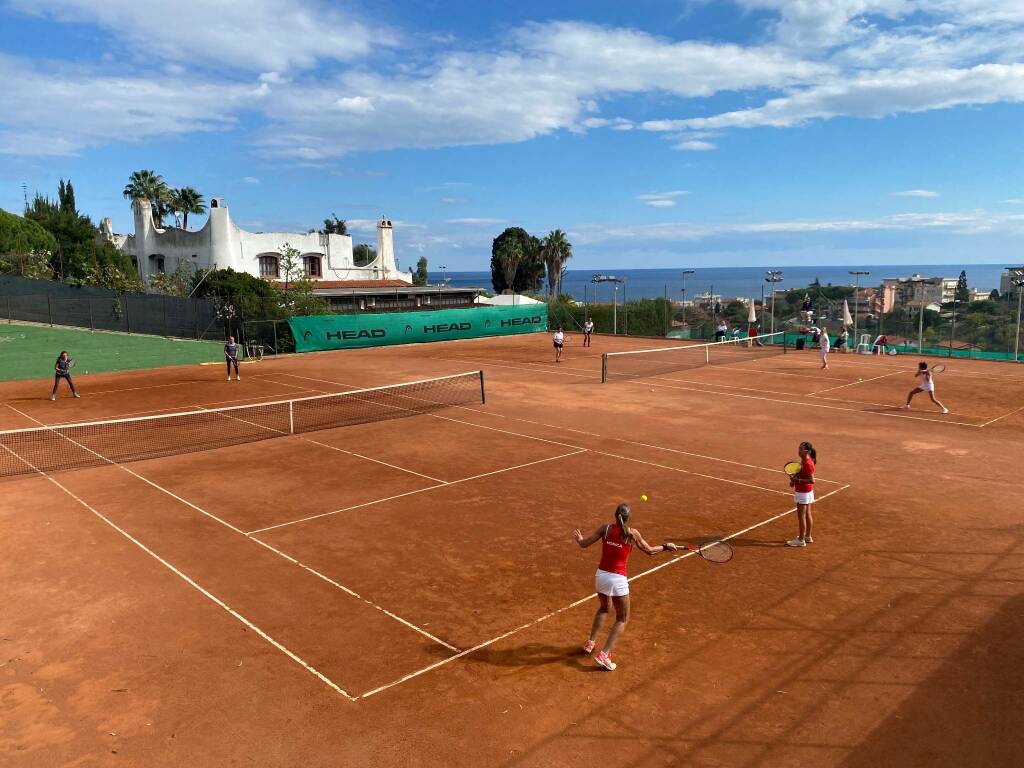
x=334 y=226
x=962 y=293
x=186 y=200
x=420 y=276
x=150 y=186
x=509 y=257
x=529 y=274
x=556 y=250
x=363 y=254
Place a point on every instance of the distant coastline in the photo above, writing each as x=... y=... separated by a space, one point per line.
x=737 y=281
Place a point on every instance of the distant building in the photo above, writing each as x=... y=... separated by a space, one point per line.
x=222 y=244
x=1006 y=279
x=904 y=292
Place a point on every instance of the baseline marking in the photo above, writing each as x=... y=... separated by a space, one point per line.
x=276 y=551
x=194 y=584
x=997 y=418
x=859 y=381
x=568 y=607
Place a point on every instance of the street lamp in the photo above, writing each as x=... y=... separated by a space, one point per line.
x=856 y=303
x=444 y=274
x=1019 y=283
x=685 y=273
x=615 y=298
x=774 y=276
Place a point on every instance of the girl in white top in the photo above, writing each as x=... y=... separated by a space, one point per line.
x=588 y=328
x=559 y=339
x=824 y=345
x=926 y=383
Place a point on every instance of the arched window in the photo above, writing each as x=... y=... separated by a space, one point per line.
x=269 y=265
x=312 y=265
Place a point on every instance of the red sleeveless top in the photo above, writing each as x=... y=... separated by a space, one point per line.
x=614 y=553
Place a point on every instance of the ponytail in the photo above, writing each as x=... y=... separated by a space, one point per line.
x=810 y=450
x=622 y=517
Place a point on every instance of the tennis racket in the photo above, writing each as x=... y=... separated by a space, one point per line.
x=939 y=368
x=792 y=468
x=712 y=551
x=71 y=363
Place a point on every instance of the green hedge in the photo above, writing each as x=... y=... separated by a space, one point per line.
x=645 y=317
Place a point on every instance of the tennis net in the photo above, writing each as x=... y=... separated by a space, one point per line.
x=92 y=444
x=653 y=362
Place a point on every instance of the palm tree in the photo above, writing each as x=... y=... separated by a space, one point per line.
x=510 y=256
x=150 y=186
x=556 y=250
x=187 y=200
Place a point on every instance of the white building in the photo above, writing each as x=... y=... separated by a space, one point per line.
x=1006 y=280
x=221 y=244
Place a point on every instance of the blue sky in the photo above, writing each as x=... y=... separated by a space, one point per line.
x=656 y=134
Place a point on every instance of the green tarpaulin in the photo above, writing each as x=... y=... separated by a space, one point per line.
x=318 y=332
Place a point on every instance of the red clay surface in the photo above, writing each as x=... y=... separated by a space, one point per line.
x=408 y=592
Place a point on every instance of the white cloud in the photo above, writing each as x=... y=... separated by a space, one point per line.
x=916 y=193
x=474 y=221
x=695 y=145
x=454 y=200
x=1014 y=201
x=252 y=35
x=661 y=199
x=57 y=109
x=359 y=105
x=250 y=180
x=873 y=95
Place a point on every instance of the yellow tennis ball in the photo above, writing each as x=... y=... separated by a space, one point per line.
x=643 y=497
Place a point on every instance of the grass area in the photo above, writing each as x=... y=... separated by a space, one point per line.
x=29 y=351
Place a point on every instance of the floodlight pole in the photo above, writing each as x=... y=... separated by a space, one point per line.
x=1019 y=283
x=856 y=303
x=615 y=296
x=685 y=273
x=774 y=276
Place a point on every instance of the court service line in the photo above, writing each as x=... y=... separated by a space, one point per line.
x=603 y=437
x=859 y=381
x=194 y=584
x=442 y=484
x=273 y=549
x=572 y=605
x=997 y=418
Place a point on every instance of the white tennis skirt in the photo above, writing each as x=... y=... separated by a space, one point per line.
x=804 y=498
x=612 y=584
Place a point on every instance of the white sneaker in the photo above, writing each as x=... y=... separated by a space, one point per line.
x=229 y=378
x=945 y=410
x=237 y=377
x=796 y=543
x=53 y=397
x=77 y=395
x=904 y=407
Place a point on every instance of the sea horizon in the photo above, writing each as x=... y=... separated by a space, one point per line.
x=733 y=282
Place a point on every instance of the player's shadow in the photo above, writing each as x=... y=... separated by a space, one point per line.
x=533 y=655
x=743 y=542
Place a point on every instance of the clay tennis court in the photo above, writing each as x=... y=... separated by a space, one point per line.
x=407 y=591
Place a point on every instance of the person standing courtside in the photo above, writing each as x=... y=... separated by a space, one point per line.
x=231 y=357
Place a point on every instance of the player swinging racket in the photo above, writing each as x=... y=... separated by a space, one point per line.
x=926 y=383
x=617 y=542
x=62 y=370
x=231 y=357
x=588 y=330
x=801 y=479
x=558 y=337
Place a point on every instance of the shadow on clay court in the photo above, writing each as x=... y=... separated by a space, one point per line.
x=533 y=655
x=742 y=542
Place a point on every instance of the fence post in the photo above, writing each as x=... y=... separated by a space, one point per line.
x=8 y=308
x=273 y=324
x=195 y=316
x=91 y=326
x=127 y=319
x=49 y=309
x=164 y=307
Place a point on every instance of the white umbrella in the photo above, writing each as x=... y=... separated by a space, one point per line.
x=752 y=315
x=847 y=318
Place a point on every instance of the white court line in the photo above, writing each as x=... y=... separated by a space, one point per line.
x=195 y=585
x=276 y=551
x=570 y=606
x=370 y=458
x=800 y=403
x=411 y=493
x=859 y=381
x=604 y=437
x=997 y=418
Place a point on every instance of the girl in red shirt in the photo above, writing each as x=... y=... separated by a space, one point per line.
x=617 y=542
x=803 y=486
